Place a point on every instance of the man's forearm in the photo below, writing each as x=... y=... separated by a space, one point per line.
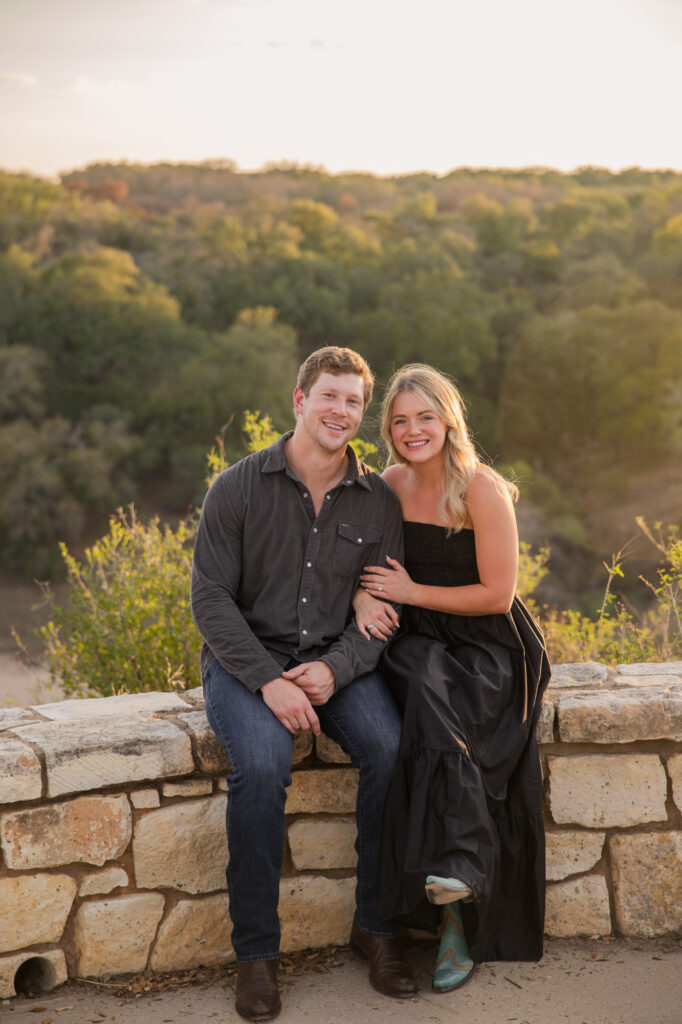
x=229 y=636
x=352 y=656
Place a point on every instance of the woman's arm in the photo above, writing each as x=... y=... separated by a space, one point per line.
x=492 y=516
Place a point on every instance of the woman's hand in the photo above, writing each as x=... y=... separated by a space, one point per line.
x=374 y=617
x=392 y=584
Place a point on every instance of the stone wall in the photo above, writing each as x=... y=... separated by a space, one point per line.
x=113 y=844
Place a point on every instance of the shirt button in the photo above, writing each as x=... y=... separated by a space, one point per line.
x=314 y=529
x=305 y=632
x=305 y=600
x=309 y=564
x=359 y=540
x=327 y=496
x=305 y=494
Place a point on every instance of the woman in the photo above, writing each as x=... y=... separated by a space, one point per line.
x=463 y=818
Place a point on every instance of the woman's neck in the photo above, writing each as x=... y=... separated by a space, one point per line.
x=428 y=476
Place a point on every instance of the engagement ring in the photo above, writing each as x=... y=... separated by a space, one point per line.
x=380 y=587
x=370 y=625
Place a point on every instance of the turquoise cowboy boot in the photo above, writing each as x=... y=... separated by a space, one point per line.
x=446 y=890
x=454 y=965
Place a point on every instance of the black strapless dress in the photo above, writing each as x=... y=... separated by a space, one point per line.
x=466 y=796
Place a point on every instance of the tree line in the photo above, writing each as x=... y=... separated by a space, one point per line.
x=144 y=308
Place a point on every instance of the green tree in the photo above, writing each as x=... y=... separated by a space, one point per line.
x=21 y=383
x=594 y=388
x=107 y=331
x=52 y=473
x=253 y=363
x=17 y=276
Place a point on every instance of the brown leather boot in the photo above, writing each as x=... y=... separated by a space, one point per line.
x=257 y=991
x=389 y=972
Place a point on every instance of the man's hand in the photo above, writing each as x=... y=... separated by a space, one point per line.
x=315 y=678
x=289 y=703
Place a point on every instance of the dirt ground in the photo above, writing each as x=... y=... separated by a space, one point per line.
x=577 y=982
x=22 y=686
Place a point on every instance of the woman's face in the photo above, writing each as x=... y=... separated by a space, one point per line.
x=417 y=432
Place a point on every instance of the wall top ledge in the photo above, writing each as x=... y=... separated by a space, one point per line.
x=651 y=668
x=579 y=673
x=122 y=704
x=89 y=743
x=589 y=676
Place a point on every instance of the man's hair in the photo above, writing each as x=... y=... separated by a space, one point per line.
x=336 y=360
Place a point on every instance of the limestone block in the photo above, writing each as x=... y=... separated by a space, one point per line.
x=330 y=791
x=101 y=707
x=34 y=908
x=544 y=732
x=329 y=751
x=101 y=882
x=647 y=874
x=639 y=681
x=20 y=776
x=651 y=668
x=182 y=846
x=195 y=696
x=143 y=798
x=303 y=744
x=113 y=936
x=222 y=785
x=621 y=716
x=188 y=787
x=211 y=758
x=53 y=967
x=568 y=853
x=102 y=752
x=323 y=844
x=14 y=716
x=607 y=790
x=578 y=907
x=93 y=829
x=315 y=911
x=580 y=673
x=195 y=933
x=675 y=773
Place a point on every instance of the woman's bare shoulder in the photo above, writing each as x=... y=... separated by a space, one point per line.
x=486 y=488
x=394 y=476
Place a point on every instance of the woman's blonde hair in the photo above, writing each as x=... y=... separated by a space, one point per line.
x=460 y=459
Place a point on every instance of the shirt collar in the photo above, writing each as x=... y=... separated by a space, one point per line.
x=276 y=461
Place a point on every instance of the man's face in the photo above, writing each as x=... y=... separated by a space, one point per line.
x=331 y=412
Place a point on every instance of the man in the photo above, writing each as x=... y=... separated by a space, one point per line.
x=283 y=537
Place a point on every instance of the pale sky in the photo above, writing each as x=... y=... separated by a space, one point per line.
x=386 y=86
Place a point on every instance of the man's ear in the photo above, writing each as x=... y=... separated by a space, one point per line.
x=298 y=401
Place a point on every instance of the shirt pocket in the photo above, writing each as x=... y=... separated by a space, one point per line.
x=353 y=546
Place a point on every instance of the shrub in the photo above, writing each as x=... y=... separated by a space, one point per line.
x=619 y=632
x=127 y=625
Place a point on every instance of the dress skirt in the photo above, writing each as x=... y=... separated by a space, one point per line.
x=465 y=800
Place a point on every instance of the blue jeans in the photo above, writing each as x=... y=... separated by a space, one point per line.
x=363 y=719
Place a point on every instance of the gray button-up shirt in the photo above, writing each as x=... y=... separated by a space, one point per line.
x=272 y=582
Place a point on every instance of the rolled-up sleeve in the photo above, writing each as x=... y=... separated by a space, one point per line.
x=216 y=574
